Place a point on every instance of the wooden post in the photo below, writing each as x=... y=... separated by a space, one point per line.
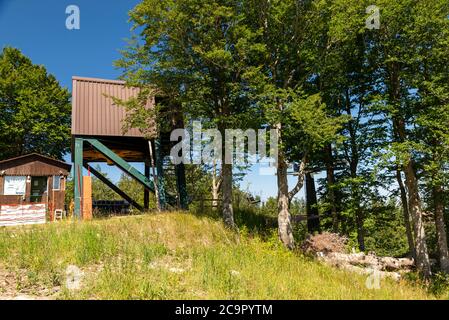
x=87 y=198
x=52 y=213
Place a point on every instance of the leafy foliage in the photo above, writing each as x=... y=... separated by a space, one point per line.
x=34 y=109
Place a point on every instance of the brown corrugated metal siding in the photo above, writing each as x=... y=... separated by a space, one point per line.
x=93 y=110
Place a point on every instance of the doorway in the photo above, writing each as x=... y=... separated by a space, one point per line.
x=38 y=188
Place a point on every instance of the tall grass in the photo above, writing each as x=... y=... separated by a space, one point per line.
x=177 y=256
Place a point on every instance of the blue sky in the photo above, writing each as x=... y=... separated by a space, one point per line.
x=38 y=29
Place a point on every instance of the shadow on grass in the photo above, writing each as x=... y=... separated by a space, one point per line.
x=249 y=219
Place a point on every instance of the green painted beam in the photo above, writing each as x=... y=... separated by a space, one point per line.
x=126 y=167
x=146 y=193
x=78 y=176
x=111 y=185
x=160 y=174
x=122 y=164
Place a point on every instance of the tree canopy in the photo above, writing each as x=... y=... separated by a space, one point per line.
x=366 y=106
x=35 y=110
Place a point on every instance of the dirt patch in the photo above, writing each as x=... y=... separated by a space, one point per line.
x=171 y=264
x=11 y=287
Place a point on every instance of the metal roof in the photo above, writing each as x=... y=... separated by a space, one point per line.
x=93 y=110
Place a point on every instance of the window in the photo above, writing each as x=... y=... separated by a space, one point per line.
x=56 y=182
x=14 y=186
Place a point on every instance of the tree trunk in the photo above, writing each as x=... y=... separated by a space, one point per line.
x=414 y=203
x=226 y=183
x=313 y=220
x=216 y=184
x=215 y=195
x=441 y=228
x=408 y=227
x=359 y=216
x=411 y=182
x=353 y=166
x=360 y=228
x=226 y=188
x=330 y=186
x=284 y=218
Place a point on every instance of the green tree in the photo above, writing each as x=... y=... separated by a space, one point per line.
x=294 y=110
x=135 y=190
x=100 y=191
x=34 y=109
x=346 y=80
x=430 y=77
x=393 y=47
x=197 y=55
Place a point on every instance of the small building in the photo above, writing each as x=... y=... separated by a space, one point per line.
x=32 y=189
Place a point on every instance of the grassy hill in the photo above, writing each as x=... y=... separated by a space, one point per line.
x=170 y=256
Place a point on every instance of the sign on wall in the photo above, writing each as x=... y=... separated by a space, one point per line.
x=14 y=186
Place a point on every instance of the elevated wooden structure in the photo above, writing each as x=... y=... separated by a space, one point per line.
x=98 y=136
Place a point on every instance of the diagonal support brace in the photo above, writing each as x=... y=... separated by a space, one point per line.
x=111 y=185
x=126 y=167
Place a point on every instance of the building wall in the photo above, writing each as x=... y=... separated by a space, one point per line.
x=53 y=198
x=56 y=197
x=33 y=166
x=94 y=112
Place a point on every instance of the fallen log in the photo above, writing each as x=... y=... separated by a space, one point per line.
x=361 y=263
x=369 y=260
x=367 y=271
x=331 y=249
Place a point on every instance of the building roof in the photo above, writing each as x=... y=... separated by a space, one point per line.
x=94 y=112
x=21 y=160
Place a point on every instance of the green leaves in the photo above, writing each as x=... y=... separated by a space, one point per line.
x=197 y=54
x=317 y=126
x=34 y=109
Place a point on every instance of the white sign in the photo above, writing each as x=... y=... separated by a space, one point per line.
x=14 y=186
